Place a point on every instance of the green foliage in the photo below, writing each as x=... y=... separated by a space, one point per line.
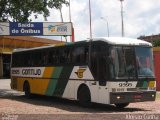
x=156 y=43
x=158 y=96
x=21 y=10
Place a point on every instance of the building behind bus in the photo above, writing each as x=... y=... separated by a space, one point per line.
x=8 y=43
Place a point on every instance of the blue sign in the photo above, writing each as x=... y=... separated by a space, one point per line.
x=35 y=28
x=26 y=29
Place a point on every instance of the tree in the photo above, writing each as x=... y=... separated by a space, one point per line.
x=21 y=10
x=156 y=43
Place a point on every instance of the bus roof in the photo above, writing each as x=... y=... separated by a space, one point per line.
x=109 y=40
x=123 y=41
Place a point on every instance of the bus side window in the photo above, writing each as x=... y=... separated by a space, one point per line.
x=63 y=56
x=45 y=58
x=51 y=57
x=86 y=53
x=34 y=58
x=24 y=61
x=54 y=56
x=80 y=55
x=67 y=56
x=16 y=59
x=77 y=54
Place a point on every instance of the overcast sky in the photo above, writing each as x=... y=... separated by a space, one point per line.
x=141 y=17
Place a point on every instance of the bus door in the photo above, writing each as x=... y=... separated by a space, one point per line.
x=100 y=71
x=102 y=77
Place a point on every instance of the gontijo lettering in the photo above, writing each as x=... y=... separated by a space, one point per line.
x=31 y=71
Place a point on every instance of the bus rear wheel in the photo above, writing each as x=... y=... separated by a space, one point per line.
x=26 y=89
x=122 y=105
x=84 y=96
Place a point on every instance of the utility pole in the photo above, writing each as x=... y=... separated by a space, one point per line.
x=90 y=19
x=90 y=40
x=70 y=19
x=107 y=25
x=122 y=17
x=60 y=10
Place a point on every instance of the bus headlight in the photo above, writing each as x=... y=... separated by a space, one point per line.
x=153 y=96
x=118 y=97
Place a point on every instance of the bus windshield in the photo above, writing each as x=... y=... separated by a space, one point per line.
x=144 y=60
x=131 y=61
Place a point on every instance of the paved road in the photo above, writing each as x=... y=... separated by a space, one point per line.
x=4 y=83
x=5 y=89
x=14 y=105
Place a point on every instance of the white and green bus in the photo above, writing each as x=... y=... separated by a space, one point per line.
x=111 y=70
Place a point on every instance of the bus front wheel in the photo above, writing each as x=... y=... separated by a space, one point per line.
x=26 y=89
x=84 y=96
x=122 y=105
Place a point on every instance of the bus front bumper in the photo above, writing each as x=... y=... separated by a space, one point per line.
x=129 y=97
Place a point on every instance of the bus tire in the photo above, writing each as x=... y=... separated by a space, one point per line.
x=121 y=105
x=26 y=89
x=84 y=96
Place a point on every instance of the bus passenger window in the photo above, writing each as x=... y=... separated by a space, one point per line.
x=62 y=57
x=57 y=57
x=67 y=56
x=86 y=55
x=45 y=58
x=80 y=55
x=51 y=57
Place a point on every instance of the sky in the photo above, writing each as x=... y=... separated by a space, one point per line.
x=141 y=17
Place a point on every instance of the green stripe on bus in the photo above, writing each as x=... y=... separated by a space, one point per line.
x=139 y=84
x=53 y=82
x=57 y=72
x=142 y=83
x=145 y=84
x=63 y=80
